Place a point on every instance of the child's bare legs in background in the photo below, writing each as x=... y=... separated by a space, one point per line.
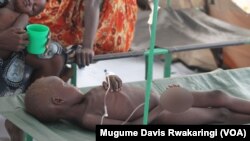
x=208 y=108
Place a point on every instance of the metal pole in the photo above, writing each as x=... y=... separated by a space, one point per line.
x=150 y=63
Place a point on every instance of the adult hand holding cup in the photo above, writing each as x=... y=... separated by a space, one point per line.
x=38 y=38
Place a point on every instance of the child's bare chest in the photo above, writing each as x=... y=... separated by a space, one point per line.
x=119 y=105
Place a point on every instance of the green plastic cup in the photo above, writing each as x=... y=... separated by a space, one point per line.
x=38 y=37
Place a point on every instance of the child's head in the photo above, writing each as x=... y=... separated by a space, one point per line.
x=47 y=98
x=30 y=7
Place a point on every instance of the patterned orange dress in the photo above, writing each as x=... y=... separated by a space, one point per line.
x=116 y=25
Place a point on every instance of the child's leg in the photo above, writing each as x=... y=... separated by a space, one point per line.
x=197 y=116
x=45 y=67
x=220 y=99
x=194 y=116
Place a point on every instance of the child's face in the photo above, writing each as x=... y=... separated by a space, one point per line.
x=30 y=7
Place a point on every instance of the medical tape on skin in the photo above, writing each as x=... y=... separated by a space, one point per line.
x=150 y=19
x=108 y=73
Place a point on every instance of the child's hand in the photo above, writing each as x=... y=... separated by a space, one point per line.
x=114 y=81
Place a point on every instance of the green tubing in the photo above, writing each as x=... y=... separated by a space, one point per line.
x=150 y=63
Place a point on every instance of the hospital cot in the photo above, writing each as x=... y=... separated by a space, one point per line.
x=235 y=82
x=12 y=107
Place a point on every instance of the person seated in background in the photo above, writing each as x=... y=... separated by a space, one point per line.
x=50 y=99
x=94 y=26
x=14 y=59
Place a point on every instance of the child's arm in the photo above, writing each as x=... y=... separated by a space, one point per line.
x=90 y=121
x=21 y=21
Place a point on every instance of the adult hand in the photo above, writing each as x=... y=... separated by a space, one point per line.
x=113 y=82
x=13 y=39
x=84 y=56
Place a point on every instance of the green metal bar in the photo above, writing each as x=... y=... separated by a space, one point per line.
x=169 y=3
x=157 y=51
x=160 y=51
x=167 y=65
x=74 y=77
x=150 y=62
x=27 y=137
